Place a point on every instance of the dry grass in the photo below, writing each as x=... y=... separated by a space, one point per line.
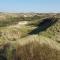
x=37 y=48
x=15 y=44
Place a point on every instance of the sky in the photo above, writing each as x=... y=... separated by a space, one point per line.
x=30 y=6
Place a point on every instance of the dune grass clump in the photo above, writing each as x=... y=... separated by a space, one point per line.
x=37 y=48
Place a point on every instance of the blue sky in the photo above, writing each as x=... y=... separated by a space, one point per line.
x=29 y=5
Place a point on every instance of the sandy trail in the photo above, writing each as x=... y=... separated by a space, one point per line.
x=19 y=24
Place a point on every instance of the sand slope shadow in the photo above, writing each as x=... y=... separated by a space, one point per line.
x=42 y=26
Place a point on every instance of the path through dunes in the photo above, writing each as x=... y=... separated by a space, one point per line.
x=19 y=24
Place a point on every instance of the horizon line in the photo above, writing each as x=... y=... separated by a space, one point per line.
x=26 y=12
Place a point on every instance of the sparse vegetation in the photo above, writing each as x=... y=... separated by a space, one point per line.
x=37 y=40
